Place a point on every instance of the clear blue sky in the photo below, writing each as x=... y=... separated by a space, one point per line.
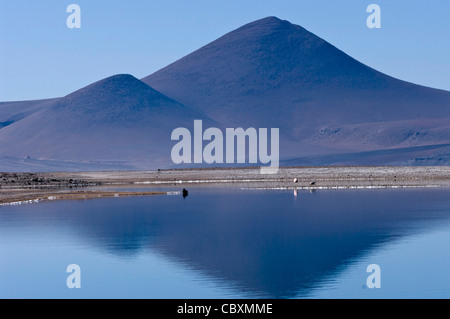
x=40 y=57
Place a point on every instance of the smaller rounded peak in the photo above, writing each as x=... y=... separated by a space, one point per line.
x=124 y=83
x=117 y=81
x=119 y=78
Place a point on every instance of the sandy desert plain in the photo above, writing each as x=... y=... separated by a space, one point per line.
x=19 y=188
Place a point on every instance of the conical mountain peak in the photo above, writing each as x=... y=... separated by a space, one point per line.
x=272 y=73
x=271 y=32
x=272 y=24
x=268 y=73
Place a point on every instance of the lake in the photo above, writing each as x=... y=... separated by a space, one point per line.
x=228 y=242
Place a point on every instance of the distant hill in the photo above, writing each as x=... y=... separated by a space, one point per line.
x=11 y=112
x=115 y=123
x=330 y=108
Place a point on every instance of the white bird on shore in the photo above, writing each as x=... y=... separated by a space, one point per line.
x=295 y=180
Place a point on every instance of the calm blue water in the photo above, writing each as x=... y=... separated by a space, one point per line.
x=231 y=243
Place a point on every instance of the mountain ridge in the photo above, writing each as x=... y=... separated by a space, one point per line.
x=267 y=73
x=271 y=73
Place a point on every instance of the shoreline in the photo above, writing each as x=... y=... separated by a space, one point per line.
x=35 y=187
x=76 y=195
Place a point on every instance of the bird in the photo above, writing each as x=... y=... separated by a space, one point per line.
x=312 y=183
x=295 y=180
x=185 y=193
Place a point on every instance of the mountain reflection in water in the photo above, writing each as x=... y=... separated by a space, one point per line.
x=264 y=243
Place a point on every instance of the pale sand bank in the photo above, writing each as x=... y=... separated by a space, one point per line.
x=28 y=187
